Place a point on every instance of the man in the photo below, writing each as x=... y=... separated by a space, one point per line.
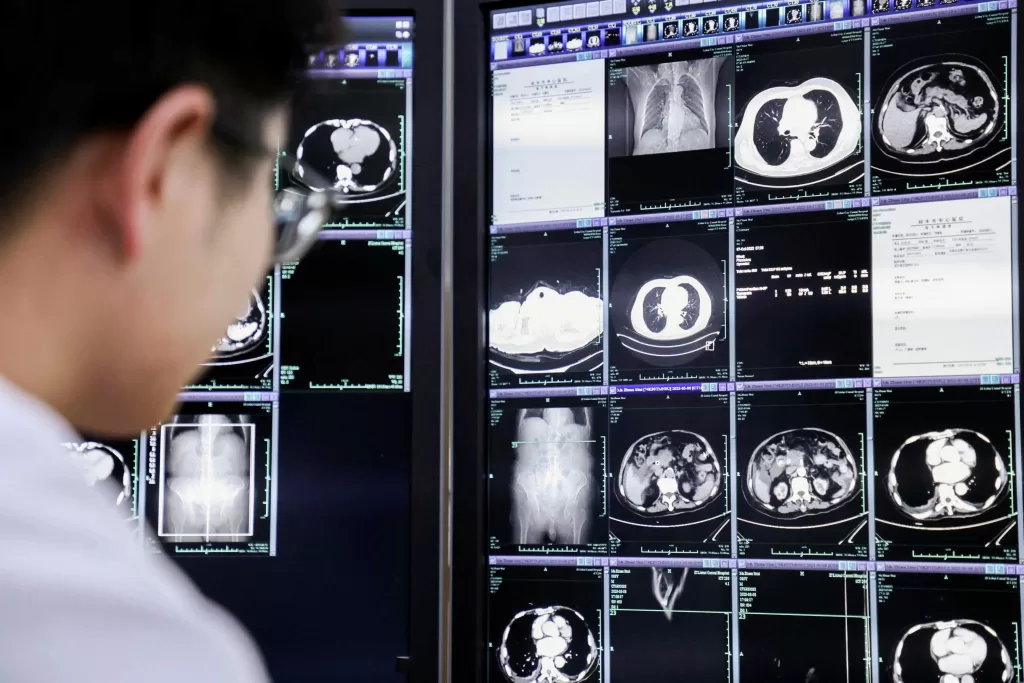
x=135 y=217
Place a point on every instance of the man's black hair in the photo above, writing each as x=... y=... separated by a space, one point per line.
x=73 y=68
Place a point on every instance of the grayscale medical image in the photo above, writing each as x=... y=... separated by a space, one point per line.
x=946 y=474
x=801 y=472
x=244 y=334
x=548 y=645
x=207 y=483
x=242 y=357
x=957 y=650
x=668 y=303
x=670 y=106
x=669 y=473
x=107 y=467
x=553 y=481
x=938 y=109
x=354 y=156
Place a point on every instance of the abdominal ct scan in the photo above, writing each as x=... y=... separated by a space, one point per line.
x=551 y=328
x=105 y=467
x=669 y=473
x=672 y=106
x=946 y=476
x=552 y=486
x=668 y=303
x=953 y=651
x=206 y=490
x=801 y=472
x=551 y=644
x=938 y=113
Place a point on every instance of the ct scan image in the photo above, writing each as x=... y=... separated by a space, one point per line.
x=947 y=626
x=545 y=624
x=348 y=134
x=670 y=624
x=243 y=357
x=944 y=484
x=111 y=466
x=669 y=474
x=801 y=460
x=799 y=118
x=939 y=98
x=805 y=626
x=668 y=113
x=546 y=484
x=546 y=308
x=668 y=301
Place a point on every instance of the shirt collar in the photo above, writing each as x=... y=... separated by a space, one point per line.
x=21 y=410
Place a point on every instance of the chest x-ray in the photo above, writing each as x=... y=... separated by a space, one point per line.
x=672 y=105
x=206 y=486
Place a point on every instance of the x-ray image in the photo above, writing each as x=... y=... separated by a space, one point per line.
x=940 y=113
x=800 y=118
x=670 y=107
x=545 y=625
x=668 y=470
x=207 y=464
x=668 y=306
x=109 y=466
x=666 y=113
x=349 y=135
x=948 y=627
x=801 y=459
x=243 y=357
x=944 y=478
x=546 y=311
x=664 y=617
x=547 y=475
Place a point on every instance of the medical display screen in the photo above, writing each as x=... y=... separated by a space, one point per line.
x=753 y=342
x=338 y=322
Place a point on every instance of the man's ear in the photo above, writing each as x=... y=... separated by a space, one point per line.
x=175 y=127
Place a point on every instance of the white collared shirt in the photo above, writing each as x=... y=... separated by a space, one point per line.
x=79 y=600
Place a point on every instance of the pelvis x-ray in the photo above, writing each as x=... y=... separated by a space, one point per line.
x=549 y=329
x=106 y=468
x=245 y=339
x=947 y=475
x=669 y=473
x=954 y=651
x=801 y=472
x=670 y=106
x=355 y=156
x=552 y=476
x=797 y=130
x=668 y=303
x=939 y=109
x=206 y=486
x=548 y=645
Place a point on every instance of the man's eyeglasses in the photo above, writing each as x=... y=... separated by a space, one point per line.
x=300 y=212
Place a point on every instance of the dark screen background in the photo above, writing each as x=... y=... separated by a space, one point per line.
x=333 y=604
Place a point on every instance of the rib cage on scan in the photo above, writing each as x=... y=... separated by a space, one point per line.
x=551 y=481
x=245 y=334
x=669 y=473
x=954 y=650
x=207 y=479
x=946 y=476
x=548 y=645
x=673 y=105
